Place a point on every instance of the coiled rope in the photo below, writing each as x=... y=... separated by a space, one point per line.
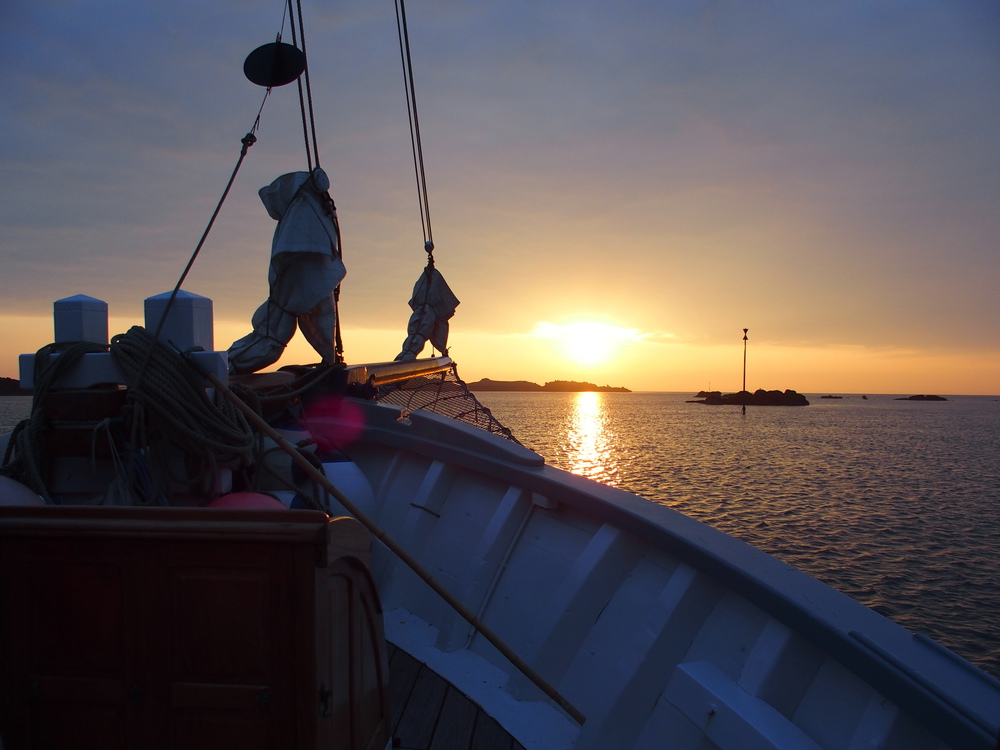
x=27 y=440
x=168 y=403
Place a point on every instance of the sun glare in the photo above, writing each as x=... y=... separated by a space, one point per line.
x=587 y=343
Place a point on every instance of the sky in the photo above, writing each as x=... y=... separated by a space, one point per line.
x=616 y=189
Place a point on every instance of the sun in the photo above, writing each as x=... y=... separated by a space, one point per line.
x=587 y=343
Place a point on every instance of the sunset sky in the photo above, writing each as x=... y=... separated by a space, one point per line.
x=617 y=189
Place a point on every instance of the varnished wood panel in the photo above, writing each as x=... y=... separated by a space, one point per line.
x=157 y=629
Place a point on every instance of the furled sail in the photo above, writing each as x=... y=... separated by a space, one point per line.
x=305 y=270
x=433 y=304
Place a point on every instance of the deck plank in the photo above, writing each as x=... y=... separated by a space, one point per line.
x=403 y=671
x=491 y=736
x=456 y=723
x=420 y=715
x=430 y=714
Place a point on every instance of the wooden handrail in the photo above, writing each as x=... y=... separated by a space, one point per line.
x=383 y=373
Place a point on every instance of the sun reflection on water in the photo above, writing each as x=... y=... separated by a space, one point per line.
x=588 y=439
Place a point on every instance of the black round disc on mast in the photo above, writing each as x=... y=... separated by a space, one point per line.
x=274 y=64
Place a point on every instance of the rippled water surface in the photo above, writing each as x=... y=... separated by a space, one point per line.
x=12 y=410
x=895 y=503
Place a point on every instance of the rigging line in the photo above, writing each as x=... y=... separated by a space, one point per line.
x=286 y=8
x=256 y=120
x=305 y=95
x=415 y=140
x=312 y=150
x=312 y=116
x=298 y=83
x=248 y=140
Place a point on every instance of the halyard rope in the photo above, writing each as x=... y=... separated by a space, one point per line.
x=415 y=140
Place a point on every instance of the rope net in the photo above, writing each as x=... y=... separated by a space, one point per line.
x=443 y=393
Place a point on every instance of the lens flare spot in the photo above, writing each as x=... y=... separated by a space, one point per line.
x=335 y=420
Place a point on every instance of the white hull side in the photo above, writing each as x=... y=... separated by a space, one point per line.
x=661 y=630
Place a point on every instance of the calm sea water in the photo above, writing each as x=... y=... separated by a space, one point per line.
x=12 y=410
x=894 y=503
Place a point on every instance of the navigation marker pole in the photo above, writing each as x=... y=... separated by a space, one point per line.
x=745 y=369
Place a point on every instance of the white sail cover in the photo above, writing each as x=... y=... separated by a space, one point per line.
x=304 y=272
x=433 y=304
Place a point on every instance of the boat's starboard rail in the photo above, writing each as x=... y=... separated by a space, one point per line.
x=445 y=438
x=634 y=611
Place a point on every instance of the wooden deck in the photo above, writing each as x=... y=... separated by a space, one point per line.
x=430 y=714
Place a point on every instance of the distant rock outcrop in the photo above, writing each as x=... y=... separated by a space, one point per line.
x=503 y=385
x=555 y=386
x=922 y=398
x=573 y=386
x=760 y=397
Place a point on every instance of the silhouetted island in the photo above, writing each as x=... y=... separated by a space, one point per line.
x=760 y=397
x=555 y=386
x=922 y=398
x=10 y=387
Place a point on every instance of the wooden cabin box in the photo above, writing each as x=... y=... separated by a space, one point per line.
x=156 y=628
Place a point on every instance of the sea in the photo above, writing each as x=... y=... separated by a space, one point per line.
x=895 y=503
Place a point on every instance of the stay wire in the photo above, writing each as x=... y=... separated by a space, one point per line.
x=415 y=140
x=298 y=83
x=305 y=93
x=312 y=114
x=308 y=115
